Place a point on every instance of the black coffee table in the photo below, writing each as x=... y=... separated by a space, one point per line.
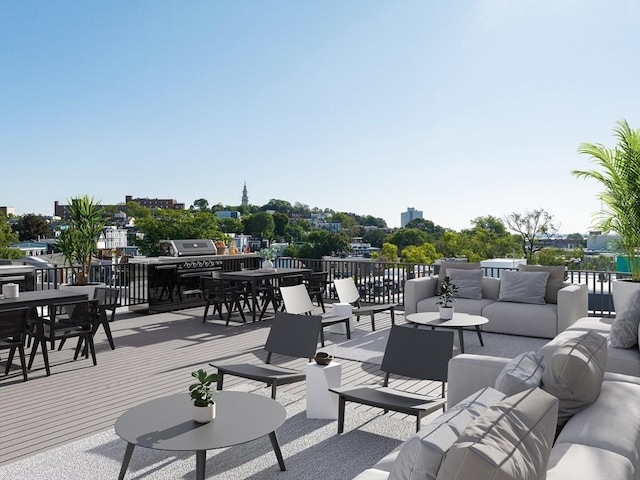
x=167 y=424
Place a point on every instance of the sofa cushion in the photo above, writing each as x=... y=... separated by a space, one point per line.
x=510 y=440
x=624 y=330
x=523 y=287
x=469 y=282
x=521 y=319
x=554 y=283
x=573 y=371
x=571 y=461
x=421 y=455
x=457 y=265
x=462 y=305
x=521 y=373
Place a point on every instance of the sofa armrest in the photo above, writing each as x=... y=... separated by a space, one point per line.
x=418 y=289
x=469 y=373
x=572 y=305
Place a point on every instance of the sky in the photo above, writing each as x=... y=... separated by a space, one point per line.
x=459 y=109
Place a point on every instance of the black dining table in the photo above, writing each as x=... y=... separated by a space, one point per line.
x=254 y=277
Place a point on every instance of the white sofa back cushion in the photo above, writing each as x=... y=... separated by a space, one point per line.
x=624 y=330
x=523 y=287
x=521 y=373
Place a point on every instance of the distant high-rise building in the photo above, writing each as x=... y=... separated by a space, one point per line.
x=410 y=214
x=245 y=197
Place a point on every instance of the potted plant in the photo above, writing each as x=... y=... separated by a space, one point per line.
x=269 y=254
x=447 y=293
x=620 y=177
x=204 y=408
x=221 y=247
x=78 y=242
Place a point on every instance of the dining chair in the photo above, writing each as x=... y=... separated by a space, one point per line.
x=296 y=300
x=218 y=293
x=348 y=293
x=317 y=286
x=414 y=353
x=270 y=291
x=290 y=335
x=13 y=332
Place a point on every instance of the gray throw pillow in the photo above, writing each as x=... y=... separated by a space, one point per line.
x=624 y=330
x=573 y=372
x=469 y=282
x=523 y=287
x=421 y=455
x=554 y=283
x=457 y=265
x=510 y=441
x=520 y=374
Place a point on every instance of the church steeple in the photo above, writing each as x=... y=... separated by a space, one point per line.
x=245 y=197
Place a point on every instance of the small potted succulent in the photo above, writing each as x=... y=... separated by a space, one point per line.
x=204 y=408
x=447 y=293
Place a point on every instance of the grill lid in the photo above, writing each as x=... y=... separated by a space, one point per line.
x=181 y=248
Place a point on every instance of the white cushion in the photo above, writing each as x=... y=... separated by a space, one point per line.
x=554 y=283
x=469 y=282
x=521 y=373
x=571 y=461
x=421 y=455
x=442 y=272
x=523 y=287
x=624 y=331
x=510 y=440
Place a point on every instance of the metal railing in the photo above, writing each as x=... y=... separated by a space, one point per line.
x=377 y=281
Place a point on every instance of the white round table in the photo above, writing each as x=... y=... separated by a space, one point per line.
x=458 y=322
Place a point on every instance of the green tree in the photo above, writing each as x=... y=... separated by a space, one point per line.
x=200 y=204
x=424 y=254
x=281 y=206
x=491 y=224
x=372 y=221
x=165 y=224
x=231 y=225
x=135 y=210
x=259 y=225
x=532 y=226
x=280 y=221
x=8 y=237
x=408 y=236
x=347 y=223
x=32 y=227
x=375 y=237
x=321 y=243
x=434 y=231
x=388 y=253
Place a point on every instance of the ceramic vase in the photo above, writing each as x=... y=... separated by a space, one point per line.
x=267 y=265
x=204 y=414
x=446 y=313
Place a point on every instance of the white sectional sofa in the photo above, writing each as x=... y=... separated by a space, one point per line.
x=543 y=320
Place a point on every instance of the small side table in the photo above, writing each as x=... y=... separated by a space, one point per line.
x=340 y=309
x=321 y=403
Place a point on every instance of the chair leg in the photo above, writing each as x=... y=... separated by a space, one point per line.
x=274 y=385
x=348 y=326
x=61 y=344
x=321 y=301
x=107 y=330
x=206 y=310
x=418 y=422
x=23 y=362
x=322 y=336
x=10 y=360
x=341 y=402
x=220 y=382
x=373 y=322
x=92 y=349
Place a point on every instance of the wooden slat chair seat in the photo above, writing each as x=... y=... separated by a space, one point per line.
x=413 y=353
x=348 y=293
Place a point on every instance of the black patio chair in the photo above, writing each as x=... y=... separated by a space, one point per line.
x=348 y=293
x=270 y=292
x=290 y=335
x=218 y=293
x=13 y=332
x=410 y=352
x=317 y=286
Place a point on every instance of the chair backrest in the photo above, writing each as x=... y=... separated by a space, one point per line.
x=347 y=290
x=296 y=299
x=13 y=323
x=107 y=297
x=82 y=312
x=418 y=353
x=294 y=335
x=318 y=281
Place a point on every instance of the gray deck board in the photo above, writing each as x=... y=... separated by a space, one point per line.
x=154 y=356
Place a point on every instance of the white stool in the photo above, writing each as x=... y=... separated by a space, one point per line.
x=321 y=403
x=341 y=309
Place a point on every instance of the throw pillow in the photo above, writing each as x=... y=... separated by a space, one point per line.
x=624 y=330
x=573 y=372
x=420 y=456
x=457 y=265
x=510 y=440
x=523 y=287
x=469 y=282
x=554 y=283
x=520 y=374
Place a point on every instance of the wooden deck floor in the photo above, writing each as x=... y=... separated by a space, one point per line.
x=154 y=356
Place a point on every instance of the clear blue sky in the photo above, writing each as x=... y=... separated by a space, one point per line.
x=459 y=109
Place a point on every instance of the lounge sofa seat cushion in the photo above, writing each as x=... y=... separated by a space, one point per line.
x=523 y=287
x=554 y=283
x=510 y=440
x=421 y=455
x=467 y=282
x=521 y=319
x=521 y=373
x=624 y=330
x=571 y=461
x=573 y=372
x=461 y=305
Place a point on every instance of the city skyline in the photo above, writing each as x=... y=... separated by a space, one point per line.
x=459 y=109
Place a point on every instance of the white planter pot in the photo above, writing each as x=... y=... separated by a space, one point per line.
x=204 y=414
x=446 y=313
x=621 y=290
x=267 y=265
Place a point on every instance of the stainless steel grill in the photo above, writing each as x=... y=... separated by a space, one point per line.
x=183 y=248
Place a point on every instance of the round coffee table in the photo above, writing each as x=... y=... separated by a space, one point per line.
x=459 y=321
x=167 y=424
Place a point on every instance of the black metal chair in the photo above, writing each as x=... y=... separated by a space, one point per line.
x=290 y=335
x=317 y=286
x=270 y=292
x=410 y=352
x=13 y=332
x=348 y=293
x=219 y=293
x=79 y=322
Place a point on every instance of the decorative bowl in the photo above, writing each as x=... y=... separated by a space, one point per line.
x=323 y=358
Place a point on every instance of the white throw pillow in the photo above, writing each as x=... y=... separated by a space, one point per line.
x=554 y=283
x=421 y=455
x=521 y=373
x=469 y=282
x=624 y=330
x=510 y=441
x=523 y=287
